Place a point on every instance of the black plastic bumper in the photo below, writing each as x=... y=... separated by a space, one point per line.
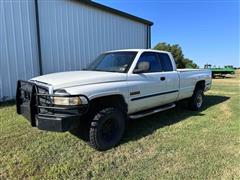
x=40 y=110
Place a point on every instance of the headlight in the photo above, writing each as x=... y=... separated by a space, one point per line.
x=67 y=101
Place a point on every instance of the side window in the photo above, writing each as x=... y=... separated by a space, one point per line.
x=166 y=62
x=155 y=65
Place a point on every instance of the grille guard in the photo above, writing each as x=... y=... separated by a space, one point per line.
x=29 y=103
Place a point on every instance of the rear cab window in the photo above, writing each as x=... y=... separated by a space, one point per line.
x=165 y=62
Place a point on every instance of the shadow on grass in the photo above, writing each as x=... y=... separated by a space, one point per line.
x=142 y=127
x=139 y=128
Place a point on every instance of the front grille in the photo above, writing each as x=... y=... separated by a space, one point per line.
x=44 y=100
x=42 y=90
x=34 y=99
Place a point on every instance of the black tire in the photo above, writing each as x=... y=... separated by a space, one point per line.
x=107 y=128
x=196 y=101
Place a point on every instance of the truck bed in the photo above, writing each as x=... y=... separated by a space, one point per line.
x=188 y=79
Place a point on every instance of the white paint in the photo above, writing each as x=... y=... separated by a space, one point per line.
x=95 y=84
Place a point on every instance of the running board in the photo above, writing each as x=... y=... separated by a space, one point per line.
x=152 y=111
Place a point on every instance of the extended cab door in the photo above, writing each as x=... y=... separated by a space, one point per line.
x=171 y=76
x=148 y=89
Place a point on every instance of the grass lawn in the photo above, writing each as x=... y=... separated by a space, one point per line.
x=173 y=144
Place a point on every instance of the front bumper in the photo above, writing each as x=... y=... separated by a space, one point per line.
x=39 y=110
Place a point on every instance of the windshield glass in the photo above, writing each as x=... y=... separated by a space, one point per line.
x=113 y=62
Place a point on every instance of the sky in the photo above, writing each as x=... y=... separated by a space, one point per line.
x=207 y=30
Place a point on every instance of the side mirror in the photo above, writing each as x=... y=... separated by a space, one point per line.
x=142 y=67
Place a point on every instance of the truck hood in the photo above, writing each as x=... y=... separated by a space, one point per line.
x=79 y=78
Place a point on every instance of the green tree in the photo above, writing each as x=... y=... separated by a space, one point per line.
x=178 y=55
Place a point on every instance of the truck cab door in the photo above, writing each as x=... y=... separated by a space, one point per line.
x=170 y=76
x=146 y=90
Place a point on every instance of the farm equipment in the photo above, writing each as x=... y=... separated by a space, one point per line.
x=221 y=72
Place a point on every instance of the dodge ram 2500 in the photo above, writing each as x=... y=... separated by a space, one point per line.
x=118 y=85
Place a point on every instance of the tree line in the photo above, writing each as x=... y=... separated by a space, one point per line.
x=178 y=55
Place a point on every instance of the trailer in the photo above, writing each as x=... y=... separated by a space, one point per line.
x=220 y=72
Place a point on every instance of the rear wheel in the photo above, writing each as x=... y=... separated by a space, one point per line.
x=107 y=128
x=196 y=101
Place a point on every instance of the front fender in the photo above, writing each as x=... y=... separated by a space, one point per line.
x=100 y=90
x=102 y=94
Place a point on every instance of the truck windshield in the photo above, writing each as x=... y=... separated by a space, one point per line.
x=113 y=62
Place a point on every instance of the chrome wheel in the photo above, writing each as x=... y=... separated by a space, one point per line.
x=199 y=100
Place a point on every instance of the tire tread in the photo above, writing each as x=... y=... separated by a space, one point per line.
x=94 y=124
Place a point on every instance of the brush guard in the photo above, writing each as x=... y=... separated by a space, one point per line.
x=39 y=109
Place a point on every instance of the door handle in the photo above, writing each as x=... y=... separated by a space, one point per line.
x=162 y=78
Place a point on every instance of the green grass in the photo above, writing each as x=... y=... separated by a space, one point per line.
x=175 y=144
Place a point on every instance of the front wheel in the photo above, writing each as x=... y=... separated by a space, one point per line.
x=107 y=128
x=196 y=101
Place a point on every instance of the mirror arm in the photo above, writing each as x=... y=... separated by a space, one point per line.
x=137 y=71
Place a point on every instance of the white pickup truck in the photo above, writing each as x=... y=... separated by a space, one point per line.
x=117 y=86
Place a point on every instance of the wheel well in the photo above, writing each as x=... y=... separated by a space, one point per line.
x=116 y=101
x=200 y=85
